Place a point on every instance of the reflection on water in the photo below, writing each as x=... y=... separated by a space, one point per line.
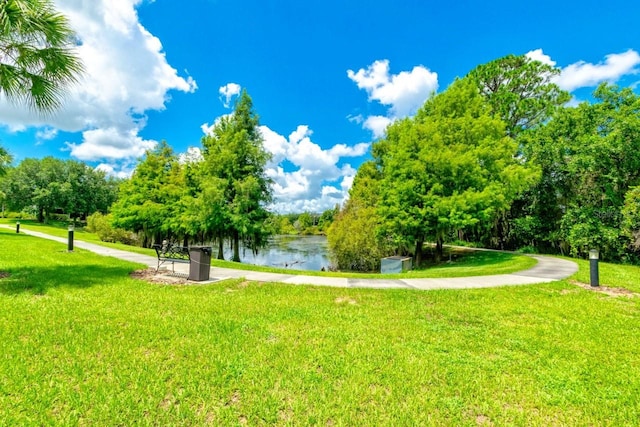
x=294 y=252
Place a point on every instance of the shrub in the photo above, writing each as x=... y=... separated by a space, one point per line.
x=101 y=225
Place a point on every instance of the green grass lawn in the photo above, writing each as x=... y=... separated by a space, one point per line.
x=83 y=344
x=465 y=263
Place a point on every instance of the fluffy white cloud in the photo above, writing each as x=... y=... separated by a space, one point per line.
x=227 y=92
x=121 y=170
x=126 y=75
x=402 y=93
x=316 y=182
x=583 y=74
x=110 y=144
x=313 y=180
x=539 y=55
x=377 y=125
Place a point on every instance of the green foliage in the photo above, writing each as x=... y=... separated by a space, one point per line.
x=520 y=91
x=233 y=179
x=101 y=225
x=353 y=243
x=5 y=161
x=451 y=167
x=631 y=219
x=590 y=158
x=49 y=185
x=148 y=202
x=38 y=60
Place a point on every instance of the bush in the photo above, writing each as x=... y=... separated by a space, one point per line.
x=101 y=225
x=352 y=240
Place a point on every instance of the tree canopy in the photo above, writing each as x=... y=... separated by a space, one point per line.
x=49 y=185
x=148 y=201
x=233 y=180
x=520 y=90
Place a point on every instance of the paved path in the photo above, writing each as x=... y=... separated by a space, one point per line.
x=548 y=269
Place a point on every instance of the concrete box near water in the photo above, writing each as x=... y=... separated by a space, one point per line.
x=200 y=264
x=395 y=264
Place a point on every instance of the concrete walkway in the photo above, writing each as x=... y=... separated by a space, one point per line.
x=548 y=269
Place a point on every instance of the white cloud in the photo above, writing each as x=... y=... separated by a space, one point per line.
x=227 y=92
x=377 y=125
x=193 y=155
x=126 y=75
x=316 y=182
x=46 y=134
x=402 y=93
x=208 y=128
x=110 y=144
x=122 y=171
x=583 y=74
x=538 y=55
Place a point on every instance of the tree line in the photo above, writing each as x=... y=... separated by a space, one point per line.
x=500 y=160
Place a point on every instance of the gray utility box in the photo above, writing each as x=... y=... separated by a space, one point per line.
x=395 y=264
x=200 y=263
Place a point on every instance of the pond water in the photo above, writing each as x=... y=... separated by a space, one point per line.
x=293 y=252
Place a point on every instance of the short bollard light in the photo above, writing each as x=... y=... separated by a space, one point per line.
x=70 y=245
x=593 y=267
x=18 y=227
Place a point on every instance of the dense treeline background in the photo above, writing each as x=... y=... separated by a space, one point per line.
x=498 y=159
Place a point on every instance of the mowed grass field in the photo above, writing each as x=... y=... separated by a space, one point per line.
x=82 y=343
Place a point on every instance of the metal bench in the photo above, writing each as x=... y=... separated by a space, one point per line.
x=169 y=252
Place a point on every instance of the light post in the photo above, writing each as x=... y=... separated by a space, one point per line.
x=593 y=267
x=70 y=244
x=18 y=227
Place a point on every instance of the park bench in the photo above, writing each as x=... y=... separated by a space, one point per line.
x=170 y=252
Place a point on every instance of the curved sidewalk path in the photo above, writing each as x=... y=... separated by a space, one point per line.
x=548 y=269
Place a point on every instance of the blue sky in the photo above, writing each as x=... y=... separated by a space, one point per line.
x=326 y=77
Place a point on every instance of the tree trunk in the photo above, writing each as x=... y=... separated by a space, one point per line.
x=236 y=246
x=417 y=255
x=40 y=215
x=221 y=247
x=438 y=250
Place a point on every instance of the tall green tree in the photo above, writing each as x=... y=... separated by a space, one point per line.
x=234 y=178
x=148 y=202
x=451 y=167
x=37 y=54
x=520 y=90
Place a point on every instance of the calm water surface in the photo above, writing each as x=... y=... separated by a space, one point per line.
x=294 y=252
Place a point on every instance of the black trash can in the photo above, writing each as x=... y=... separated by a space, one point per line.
x=200 y=263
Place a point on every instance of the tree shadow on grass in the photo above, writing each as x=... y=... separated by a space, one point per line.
x=39 y=280
x=33 y=265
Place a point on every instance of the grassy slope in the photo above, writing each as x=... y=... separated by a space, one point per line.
x=80 y=342
x=472 y=264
